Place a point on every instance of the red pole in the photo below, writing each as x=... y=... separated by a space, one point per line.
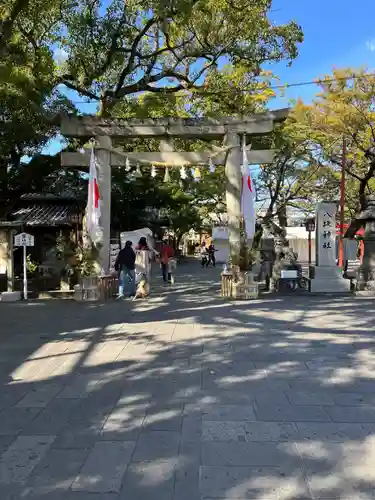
x=342 y=205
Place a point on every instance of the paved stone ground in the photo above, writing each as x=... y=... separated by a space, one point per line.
x=187 y=397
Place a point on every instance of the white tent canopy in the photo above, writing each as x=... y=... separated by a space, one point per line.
x=135 y=236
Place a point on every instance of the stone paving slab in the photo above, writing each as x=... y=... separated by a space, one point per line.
x=310 y=398
x=55 y=473
x=52 y=419
x=250 y=454
x=104 y=468
x=5 y=442
x=270 y=412
x=78 y=438
x=39 y=397
x=187 y=397
x=157 y=445
x=187 y=485
x=229 y=413
x=252 y=483
x=334 y=432
x=84 y=495
x=249 y=431
x=14 y=420
x=361 y=414
x=10 y=395
x=17 y=463
x=148 y=481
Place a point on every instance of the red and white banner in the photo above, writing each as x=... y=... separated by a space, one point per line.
x=93 y=203
x=247 y=197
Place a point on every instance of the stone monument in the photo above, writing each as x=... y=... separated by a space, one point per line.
x=327 y=278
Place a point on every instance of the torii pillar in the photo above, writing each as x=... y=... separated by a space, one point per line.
x=103 y=166
x=233 y=193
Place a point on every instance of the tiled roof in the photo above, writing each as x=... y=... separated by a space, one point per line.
x=46 y=214
x=49 y=197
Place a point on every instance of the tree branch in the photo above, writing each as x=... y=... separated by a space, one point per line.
x=133 y=53
x=113 y=48
x=7 y=25
x=65 y=81
x=363 y=184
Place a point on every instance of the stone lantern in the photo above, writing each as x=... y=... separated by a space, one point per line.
x=366 y=272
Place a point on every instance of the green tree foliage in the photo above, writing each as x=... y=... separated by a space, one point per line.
x=30 y=103
x=296 y=178
x=135 y=59
x=152 y=46
x=309 y=149
x=343 y=110
x=198 y=204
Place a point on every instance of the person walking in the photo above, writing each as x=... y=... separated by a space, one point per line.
x=125 y=265
x=211 y=255
x=142 y=269
x=166 y=253
x=204 y=255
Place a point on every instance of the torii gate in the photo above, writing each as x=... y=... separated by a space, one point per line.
x=230 y=130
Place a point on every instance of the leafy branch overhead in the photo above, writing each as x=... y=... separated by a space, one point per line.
x=167 y=46
x=343 y=111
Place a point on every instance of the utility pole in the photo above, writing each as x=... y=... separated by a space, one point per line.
x=342 y=205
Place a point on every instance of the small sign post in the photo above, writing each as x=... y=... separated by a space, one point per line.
x=24 y=240
x=310 y=227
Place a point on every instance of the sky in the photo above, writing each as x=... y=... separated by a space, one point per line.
x=338 y=34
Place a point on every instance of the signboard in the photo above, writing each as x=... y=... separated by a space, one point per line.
x=24 y=240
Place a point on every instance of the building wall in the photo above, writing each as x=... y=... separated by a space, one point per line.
x=298 y=241
x=222 y=254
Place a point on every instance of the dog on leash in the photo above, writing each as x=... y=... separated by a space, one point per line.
x=143 y=289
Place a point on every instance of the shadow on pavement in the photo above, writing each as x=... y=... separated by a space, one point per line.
x=188 y=397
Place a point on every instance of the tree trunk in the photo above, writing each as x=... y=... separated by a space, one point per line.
x=178 y=240
x=4 y=192
x=281 y=247
x=257 y=238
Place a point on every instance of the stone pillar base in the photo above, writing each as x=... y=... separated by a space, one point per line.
x=328 y=279
x=367 y=292
x=245 y=288
x=10 y=296
x=366 y=280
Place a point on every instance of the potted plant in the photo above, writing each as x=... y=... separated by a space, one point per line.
x=243 y=281
x=66 y=254
x=86 y=267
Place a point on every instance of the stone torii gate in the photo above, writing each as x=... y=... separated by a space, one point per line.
x=229 y=130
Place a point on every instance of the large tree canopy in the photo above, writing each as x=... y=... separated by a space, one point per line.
x=113 y=51
x=344 y=110
x=30 y=101
x=123 y=48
